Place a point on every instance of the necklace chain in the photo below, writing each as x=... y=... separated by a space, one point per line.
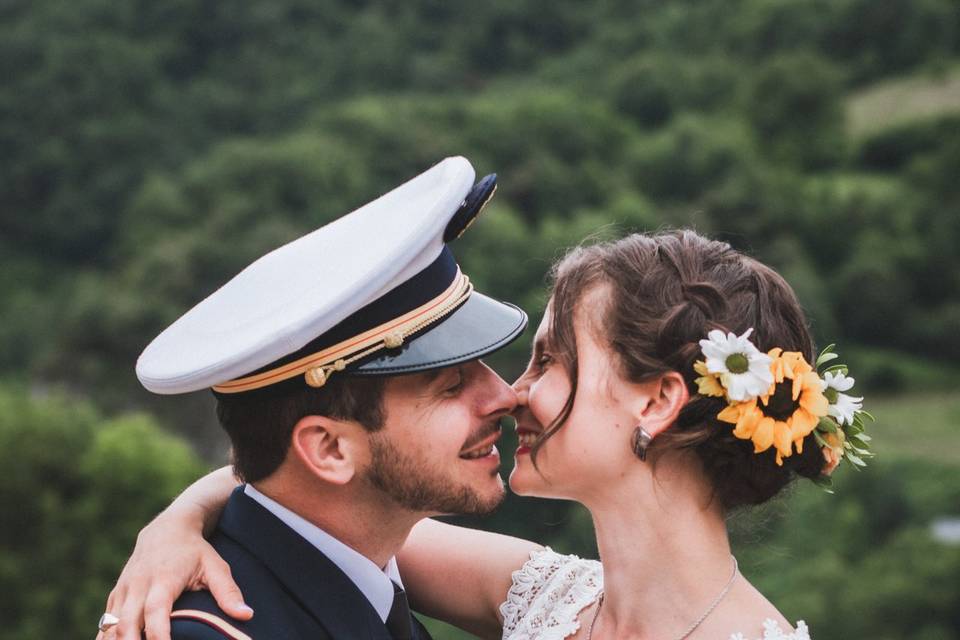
x=690 y=629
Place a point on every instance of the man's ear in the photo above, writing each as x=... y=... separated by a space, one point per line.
x=328 y=448
x=665 y=397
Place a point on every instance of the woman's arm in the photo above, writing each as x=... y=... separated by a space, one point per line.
x=461 y=575
x=455 y=574
x=151 y=581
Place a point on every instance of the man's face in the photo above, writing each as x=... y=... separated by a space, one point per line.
x=436 y=452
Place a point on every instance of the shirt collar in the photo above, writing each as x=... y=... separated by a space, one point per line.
x=375 y=583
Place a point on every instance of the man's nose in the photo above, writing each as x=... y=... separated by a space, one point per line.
x=499 y=397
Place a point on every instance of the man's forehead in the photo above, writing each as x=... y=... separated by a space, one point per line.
x=421 y=379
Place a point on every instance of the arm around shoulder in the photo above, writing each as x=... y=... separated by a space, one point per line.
x=461 y=575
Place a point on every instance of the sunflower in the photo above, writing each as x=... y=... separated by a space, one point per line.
x=784 y=415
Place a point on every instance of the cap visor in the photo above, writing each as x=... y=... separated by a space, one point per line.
x=479 y=327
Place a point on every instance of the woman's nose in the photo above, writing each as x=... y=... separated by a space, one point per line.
x=521 y=386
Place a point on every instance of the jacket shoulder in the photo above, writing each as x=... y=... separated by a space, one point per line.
x=192 y=624
x=196 y=616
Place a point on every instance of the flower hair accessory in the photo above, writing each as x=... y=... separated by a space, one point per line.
x=776 y=399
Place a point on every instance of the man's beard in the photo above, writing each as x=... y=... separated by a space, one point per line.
x=420 y=487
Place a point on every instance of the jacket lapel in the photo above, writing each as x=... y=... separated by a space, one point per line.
x=310 y=577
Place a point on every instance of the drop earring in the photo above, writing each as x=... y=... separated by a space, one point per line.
x=641 y=440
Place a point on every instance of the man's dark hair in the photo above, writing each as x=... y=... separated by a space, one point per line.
x=260 y=422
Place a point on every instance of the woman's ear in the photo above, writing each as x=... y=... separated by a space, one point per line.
x=666 y=397
x=330 y=449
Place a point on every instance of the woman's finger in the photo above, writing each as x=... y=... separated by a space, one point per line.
x=225 y=591
x=114 y=602
x=157 y=613
x=131 y=615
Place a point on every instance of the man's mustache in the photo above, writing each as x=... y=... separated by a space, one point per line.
x=487 y=430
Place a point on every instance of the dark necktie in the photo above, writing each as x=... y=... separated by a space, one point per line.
x=399 y=623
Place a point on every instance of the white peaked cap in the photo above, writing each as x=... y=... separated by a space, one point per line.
x=297 y=292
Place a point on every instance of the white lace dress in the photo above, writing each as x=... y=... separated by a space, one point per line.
x=550 y=590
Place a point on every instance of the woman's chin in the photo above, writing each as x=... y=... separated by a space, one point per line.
x=525 y=481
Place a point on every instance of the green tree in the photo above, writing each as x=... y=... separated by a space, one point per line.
x=795 y=109
x=77 y=489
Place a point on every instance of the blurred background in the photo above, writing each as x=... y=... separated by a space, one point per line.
x=152 y=149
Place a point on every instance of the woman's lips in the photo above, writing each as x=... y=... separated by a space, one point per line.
x=526 y=439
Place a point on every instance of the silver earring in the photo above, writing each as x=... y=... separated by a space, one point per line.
x=641 y=440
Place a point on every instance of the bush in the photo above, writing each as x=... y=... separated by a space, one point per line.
x=892 y=149
x=76 y=491
x=796 y=111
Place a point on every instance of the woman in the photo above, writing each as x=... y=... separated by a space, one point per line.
x=640 y=405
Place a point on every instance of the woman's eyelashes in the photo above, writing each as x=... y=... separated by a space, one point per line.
x=542 y=360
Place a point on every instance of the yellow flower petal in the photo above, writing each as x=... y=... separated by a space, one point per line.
x=709 y=386
x=813 y=399
x=763 y=435
x=747 y=424
x=783 y=439
x=802 y=422
x=731 y=413
x=776 y=367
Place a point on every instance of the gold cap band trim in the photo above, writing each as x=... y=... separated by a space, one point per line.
x=318 y=367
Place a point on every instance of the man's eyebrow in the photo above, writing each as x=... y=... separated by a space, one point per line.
x=433 y=374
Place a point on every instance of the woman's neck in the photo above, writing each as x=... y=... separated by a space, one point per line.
x=666 y=556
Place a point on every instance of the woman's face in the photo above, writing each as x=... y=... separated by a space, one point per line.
x=592 y=447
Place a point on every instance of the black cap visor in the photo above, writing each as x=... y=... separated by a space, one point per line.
x=480 y=326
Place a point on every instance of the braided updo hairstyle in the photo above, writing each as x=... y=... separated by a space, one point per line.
x=662 y=293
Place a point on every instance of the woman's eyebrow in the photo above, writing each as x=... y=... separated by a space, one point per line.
x=539 y=345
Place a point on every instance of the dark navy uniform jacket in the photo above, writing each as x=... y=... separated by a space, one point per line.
x=295 y=590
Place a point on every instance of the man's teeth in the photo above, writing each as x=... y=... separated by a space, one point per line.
x=478 y=454
x=527 y=438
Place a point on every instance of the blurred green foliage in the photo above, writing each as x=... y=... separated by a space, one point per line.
x=152 y=149
x=77 y=488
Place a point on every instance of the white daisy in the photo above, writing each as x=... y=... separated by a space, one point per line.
x=842 y=406
x=744 y=371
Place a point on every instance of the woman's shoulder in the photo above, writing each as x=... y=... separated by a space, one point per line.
x=773 y=631
x=547 y=593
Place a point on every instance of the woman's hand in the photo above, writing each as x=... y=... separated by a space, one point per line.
x=171 y=556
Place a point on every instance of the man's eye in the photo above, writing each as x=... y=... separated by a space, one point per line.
x=453 y=389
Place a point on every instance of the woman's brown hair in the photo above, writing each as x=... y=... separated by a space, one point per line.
x=660 y=294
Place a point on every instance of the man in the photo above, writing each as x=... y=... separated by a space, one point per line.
x=345 y=367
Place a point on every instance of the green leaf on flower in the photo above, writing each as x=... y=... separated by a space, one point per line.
x=826 y=357
x=858 y=441
x=827 y=350
x=827 y=425
x=819 y=438
x=842 y=368
x=855 y=460
x=824 y=482
x=865 y=413
x=863 y=437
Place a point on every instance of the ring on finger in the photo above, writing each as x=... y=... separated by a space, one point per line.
x=107 y=620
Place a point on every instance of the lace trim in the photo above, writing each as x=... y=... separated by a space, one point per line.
x=547 y=594
x=772 y=631
x=550 y=590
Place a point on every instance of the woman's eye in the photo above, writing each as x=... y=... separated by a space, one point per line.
x=543 y=361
